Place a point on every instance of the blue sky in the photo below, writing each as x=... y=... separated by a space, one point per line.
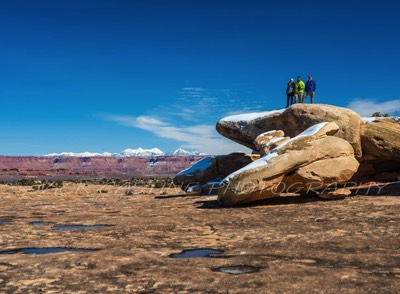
x=95 y=75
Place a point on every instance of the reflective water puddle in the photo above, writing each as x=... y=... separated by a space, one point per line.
x=38 y=223
x=78 y=227
x=5 y=221
x=236 y=270
x=196 y=253
x=46 y=250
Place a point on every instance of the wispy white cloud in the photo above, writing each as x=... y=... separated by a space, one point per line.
x=366 y=107
x=214 y=102
x=199 y=137
x=190 y=119
x=194 y=89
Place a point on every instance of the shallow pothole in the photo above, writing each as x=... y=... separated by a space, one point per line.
x=197 y=253
x=78 y=227
x=33 y=250
x=38 y=223
x=237 y=269
x=5 y=221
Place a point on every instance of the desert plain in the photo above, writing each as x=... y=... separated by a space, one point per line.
x=92 y=238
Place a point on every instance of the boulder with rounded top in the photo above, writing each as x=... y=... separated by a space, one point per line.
x=264 y=177
x=292 y=121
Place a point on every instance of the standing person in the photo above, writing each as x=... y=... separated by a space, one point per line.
x=290 y=93
x=310 y=88
x=300 y=89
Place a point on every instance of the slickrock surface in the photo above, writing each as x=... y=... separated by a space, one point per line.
x=298 y=244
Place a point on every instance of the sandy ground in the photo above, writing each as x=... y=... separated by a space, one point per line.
x=293 y=244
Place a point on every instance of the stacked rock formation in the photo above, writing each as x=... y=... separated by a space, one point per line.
x=204 y=176
x=306 y=148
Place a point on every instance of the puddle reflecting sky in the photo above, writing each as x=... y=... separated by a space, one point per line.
x=78 y=227
x=196 y=253
x=46 y=250
x=237 y=270
x=38 y=223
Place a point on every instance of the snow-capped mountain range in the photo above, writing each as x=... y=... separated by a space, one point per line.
x=139 y=152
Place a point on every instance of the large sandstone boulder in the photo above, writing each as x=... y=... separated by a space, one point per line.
x=264 y=178
x=227 y=164
x=306 y=149
x=202 y=171
x=381 y=140
x=320 y=174
x=212 y=168
x=244 y=129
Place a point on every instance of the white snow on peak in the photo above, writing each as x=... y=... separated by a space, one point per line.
x=246 y=117
x=139 y=152
x=183 y=152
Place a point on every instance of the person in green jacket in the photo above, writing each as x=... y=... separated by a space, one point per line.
x=299 y=90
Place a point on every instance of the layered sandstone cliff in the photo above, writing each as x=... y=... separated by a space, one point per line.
x=20 y=166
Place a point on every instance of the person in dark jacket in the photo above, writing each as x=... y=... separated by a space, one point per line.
x=310 y=88
x=290 y=92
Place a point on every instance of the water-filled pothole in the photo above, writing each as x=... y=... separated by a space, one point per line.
x=5 y=221
x=49 y=250
x=196 y=253
x=41 y=204
x=38 y=223
x=78 y=227
x=236 y=269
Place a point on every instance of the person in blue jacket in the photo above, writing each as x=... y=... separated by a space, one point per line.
x=310 y=88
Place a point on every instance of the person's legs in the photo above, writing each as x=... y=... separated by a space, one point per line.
x=302 y=97
x=305 y=94
x=312 y=97
x=287 y=100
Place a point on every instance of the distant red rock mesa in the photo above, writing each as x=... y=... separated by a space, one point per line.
x=65 y=167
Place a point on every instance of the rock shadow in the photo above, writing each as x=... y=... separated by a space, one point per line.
x=377 y=189
x=183 y=195
x=279 y=200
